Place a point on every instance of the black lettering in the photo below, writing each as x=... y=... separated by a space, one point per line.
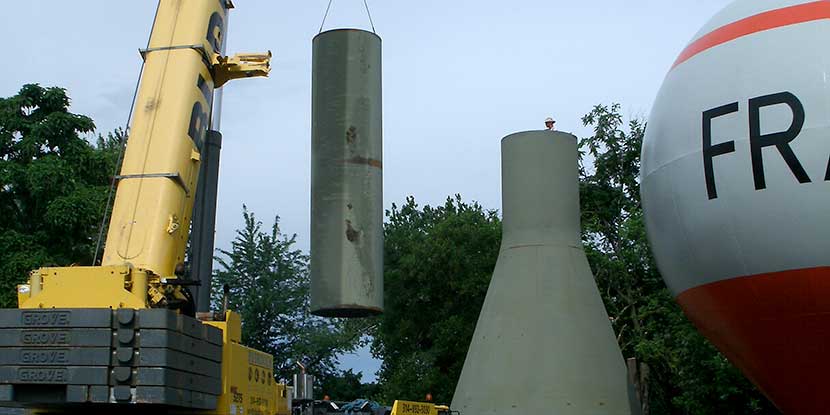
x=198 y=124
x=214 y=32
x=780 y=140
x=206 y=92
x=710 y=151
x=199 y=117
x=827 y=173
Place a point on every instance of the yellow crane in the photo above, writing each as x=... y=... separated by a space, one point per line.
x=124 y=332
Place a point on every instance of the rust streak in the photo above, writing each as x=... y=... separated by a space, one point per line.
x=151 y=104
x=351 y=135
x=351 y=234
x=365 y=160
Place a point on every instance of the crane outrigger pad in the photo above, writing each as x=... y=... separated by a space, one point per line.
x=51 y=358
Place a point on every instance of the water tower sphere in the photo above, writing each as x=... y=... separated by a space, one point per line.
x=736 y=192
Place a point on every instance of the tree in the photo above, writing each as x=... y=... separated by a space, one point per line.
x=687 y=374
x=268 y=285
x=347 y=386
x=613 y=232
x=53 y=185
x=437 y=266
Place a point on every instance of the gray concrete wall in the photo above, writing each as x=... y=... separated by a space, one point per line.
x=543 y=342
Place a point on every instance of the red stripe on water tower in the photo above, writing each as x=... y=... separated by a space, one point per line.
x=776 y=328
x=758 y=23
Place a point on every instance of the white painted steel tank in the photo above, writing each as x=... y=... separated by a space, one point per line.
x=736 y=193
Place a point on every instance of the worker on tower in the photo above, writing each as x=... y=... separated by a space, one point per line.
x=549 y=122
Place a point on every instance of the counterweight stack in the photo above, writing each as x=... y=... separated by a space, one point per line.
x=346 y=175
x=543 y=342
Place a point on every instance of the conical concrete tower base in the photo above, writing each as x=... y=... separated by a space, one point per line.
x=543 y=343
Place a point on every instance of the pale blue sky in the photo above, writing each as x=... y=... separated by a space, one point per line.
x=458 y=76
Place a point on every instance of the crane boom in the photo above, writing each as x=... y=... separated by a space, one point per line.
x=149 y=227
x=158 y=177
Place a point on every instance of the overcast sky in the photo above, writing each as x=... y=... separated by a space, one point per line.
x=458 y=75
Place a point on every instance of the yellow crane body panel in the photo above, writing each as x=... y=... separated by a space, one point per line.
x=82 y=287
x=248 y=384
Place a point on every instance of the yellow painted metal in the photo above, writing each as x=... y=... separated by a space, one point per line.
x=159 y=172
x=413 y=408
x=248 y=385
x=154 y=200
x=24 y=292
x=150 y=220
x=241 y=65
x=83 y=287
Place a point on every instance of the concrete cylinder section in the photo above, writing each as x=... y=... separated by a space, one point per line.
x=543 y=343
x=346 y=175
x=540 y=189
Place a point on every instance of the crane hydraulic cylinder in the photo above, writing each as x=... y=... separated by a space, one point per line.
x=346 y=175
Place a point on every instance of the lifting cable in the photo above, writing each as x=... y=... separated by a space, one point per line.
x=368 y=13
x=122 y=145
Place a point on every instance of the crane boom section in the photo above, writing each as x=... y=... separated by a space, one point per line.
x=150 y=221
x=124 y=331
x=154 y=198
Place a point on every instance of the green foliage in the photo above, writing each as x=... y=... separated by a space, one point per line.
x=346 y=386
x=53 y=185
x=687 y=374
x=268 y=285
x=437 y=266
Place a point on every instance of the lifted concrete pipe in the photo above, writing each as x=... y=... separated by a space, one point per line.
x=346 y=175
